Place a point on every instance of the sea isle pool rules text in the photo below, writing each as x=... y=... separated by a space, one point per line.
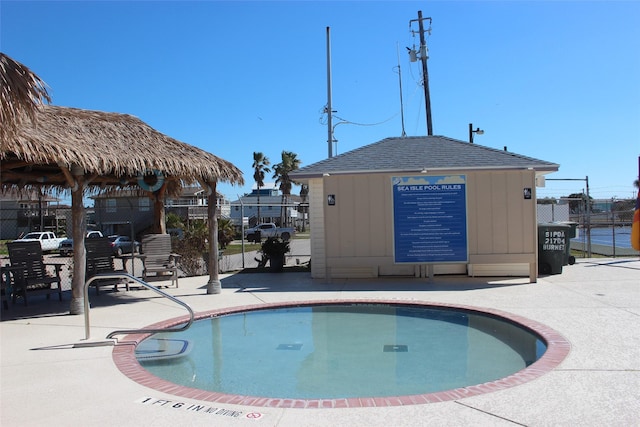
x=430 y=219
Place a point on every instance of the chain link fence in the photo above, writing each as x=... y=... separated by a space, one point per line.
x=16 y=221
x=603 y=225
x=132 y=220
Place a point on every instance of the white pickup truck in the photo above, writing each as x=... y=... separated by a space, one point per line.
x=268 y=229
x=48 y=240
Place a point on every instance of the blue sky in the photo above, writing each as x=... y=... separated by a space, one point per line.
x=558 y=81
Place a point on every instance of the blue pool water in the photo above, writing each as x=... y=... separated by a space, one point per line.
x=343 y=350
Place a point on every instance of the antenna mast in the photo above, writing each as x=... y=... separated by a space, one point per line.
x=401 y=103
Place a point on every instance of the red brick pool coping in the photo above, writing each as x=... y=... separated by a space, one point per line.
x=557 y=349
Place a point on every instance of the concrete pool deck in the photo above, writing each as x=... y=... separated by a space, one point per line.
x=594 y=304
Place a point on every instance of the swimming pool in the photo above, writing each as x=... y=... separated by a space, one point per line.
x=347 y=351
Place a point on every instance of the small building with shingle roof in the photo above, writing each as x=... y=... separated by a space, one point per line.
x=419 y=206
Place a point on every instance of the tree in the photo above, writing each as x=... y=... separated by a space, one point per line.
x=289 y=163
x=174 y=221
x=260 y=167
x=226 y=232
x=623 y=209
x=192 y=247
x=547 y=201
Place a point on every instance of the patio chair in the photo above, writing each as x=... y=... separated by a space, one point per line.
x=31 y=275
x=100 y=260
x=157 y=258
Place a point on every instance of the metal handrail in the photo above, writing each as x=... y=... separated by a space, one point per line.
x=146 y=285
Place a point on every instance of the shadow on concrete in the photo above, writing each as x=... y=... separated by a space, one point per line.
x=302 y=282
x=615 y=263
x=259 y=282
x=40 y=307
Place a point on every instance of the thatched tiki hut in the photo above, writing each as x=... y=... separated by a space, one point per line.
x=21 y=92
x=83 y=152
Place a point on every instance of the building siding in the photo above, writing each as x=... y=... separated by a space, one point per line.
x=501 y=226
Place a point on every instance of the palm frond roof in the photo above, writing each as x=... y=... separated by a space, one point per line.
x=111 y=148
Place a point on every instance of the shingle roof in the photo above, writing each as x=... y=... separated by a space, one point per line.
x=415 y=154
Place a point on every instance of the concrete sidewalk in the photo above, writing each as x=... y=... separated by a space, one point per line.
x=594 y=304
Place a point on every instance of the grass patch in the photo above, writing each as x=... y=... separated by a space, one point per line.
x=236 y=248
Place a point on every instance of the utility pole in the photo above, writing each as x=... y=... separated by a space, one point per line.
x=329 y=107
x=425 y=71
x=404 y=134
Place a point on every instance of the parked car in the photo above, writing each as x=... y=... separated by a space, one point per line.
x=48 y=240
x=66 y=246
x=269 y=229
x=124 y=245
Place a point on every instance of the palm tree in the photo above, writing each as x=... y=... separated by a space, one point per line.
x=174 y=221
x=226 y=232
x=260 y=167
x=290 y=162
x=21 y=93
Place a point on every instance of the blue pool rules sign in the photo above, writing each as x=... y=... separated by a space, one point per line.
x=430 y=219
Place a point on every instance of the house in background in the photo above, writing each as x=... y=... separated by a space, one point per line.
x=29 y=210
x=130 y=213
x=123 y=212
x=272 y=207
x=192 y=204
x=420 y=206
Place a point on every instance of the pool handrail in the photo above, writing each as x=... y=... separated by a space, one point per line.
x=131 y=331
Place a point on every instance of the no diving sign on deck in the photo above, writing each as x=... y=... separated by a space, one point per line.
x=430 y=219
x=200 y=408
